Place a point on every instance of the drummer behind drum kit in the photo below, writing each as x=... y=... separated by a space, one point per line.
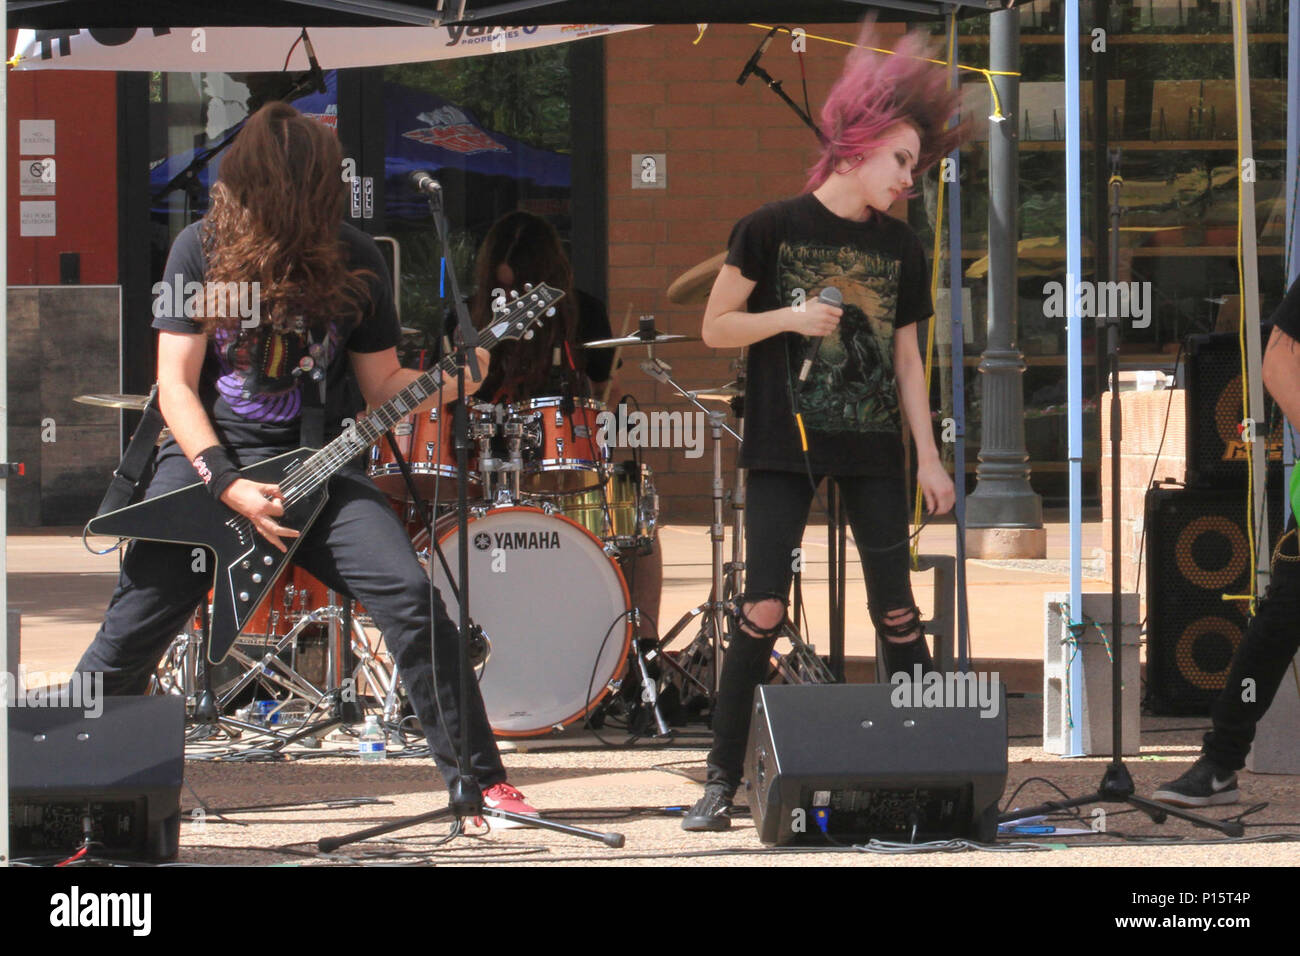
x=550 y=516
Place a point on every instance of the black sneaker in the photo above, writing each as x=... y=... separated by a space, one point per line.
x=1205 y=785
x=711 y=813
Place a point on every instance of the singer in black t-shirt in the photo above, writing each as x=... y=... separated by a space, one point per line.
x=882 y=122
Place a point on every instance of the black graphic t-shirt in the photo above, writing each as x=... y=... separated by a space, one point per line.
x=793 y=249
x=247 y=384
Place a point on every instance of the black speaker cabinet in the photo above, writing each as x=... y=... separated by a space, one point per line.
x=123 y=768
x=842 y=763
x=1216 y=454
x=1197 y=552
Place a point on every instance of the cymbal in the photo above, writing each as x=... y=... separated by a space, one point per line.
x=723 y=393
x=692 y=286
x=408 y=330
x=660 y=338
x=134 y=403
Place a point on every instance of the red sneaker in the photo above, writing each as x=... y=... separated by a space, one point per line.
x=502 y=796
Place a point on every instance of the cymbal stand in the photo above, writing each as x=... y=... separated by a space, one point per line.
x=713 y=611
x=801 y=665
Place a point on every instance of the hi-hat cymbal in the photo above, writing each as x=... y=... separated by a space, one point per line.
x=723 y=393
x=692 y=286
x=659 y=338
x=134 y=403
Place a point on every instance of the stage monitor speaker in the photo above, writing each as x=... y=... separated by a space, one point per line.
x=1216 y=454
x=840 y=763
x=1197 y=552
x=121 y=770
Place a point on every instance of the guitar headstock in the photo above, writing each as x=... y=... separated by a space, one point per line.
x=517 y=319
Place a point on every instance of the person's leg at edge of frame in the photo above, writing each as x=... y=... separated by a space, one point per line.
x=1258 y=668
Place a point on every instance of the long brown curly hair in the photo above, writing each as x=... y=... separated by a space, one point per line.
x=530 y=246
x=274 y=220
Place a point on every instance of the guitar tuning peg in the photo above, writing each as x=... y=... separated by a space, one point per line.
x=528 y=287
x=514 y=293
x=528 y=335
x=551 y=311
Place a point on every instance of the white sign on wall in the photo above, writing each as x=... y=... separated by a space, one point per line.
x=35 y=137
x=36 y=218
x=36 y=177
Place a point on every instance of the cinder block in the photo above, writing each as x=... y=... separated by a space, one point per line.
x=1096 y=690
x=1277 y=745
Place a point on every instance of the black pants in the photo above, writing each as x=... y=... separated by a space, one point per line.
x=1264 y=655
x=776 y=514
x=356 y=546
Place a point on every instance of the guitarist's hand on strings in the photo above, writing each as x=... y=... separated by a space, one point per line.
x=260 y=504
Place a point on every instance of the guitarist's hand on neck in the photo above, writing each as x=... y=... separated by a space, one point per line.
x=260 y=504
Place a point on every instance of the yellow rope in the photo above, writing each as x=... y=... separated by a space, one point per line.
x=1249 y=439
x=987 y=74
x=935 y=254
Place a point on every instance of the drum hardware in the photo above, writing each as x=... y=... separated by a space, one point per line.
x=130 y=403
x=712 y=611
x=263 y=664
x=560 y=453
x=624 y=511
x=425 y=440
x=723 y=393
x=650 y=689
x=646 y=335
x=800 y=665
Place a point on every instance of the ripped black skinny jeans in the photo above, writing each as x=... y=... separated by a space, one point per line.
x=776 y=512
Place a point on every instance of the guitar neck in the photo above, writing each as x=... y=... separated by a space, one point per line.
x=359 y=436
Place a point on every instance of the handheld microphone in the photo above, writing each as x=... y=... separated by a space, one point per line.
x=758 y=55
x=422 y=181
x=830 y=296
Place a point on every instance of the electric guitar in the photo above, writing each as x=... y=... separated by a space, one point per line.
x=246 y=563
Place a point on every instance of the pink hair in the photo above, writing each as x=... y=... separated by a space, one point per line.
x=878 y=90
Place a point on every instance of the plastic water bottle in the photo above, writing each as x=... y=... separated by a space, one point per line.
x=371 y=744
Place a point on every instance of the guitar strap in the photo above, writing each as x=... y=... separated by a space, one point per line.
x=139 y=454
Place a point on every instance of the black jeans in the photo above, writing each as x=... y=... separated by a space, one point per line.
x=776 y=514
x=1265 y=653
x=356 y=546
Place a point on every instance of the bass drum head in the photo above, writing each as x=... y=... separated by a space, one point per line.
x=554 y=609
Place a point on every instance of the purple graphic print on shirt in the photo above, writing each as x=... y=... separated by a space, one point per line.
x=256 y=370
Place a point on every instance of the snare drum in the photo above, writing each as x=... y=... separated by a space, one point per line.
x=633 y=507
x=427 y=444
x=554 y=609
x=562 y=454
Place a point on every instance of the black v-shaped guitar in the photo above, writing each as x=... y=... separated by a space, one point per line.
x=246 y=563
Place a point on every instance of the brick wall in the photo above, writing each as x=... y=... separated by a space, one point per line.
x=729 y=149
